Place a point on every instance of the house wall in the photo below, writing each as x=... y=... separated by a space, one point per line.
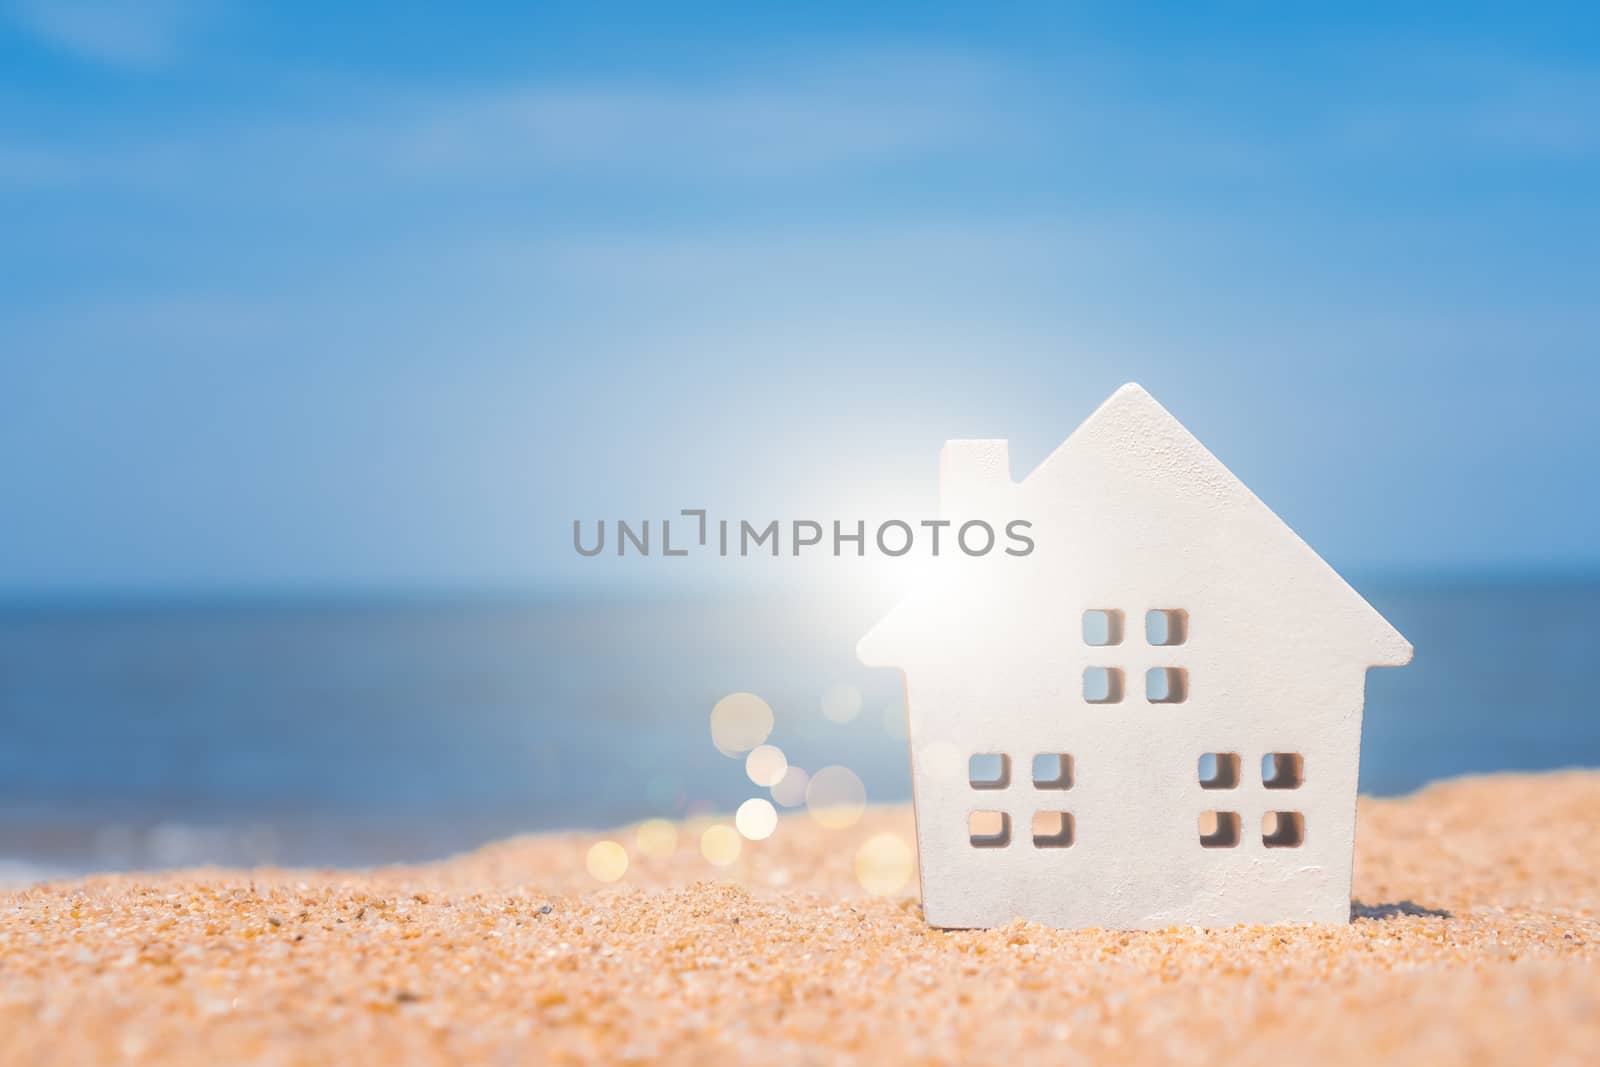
x=1135 y=797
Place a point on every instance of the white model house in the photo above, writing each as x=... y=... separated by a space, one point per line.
x=1152 y=719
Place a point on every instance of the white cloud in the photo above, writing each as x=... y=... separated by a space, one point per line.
x=801 y=119
x=805 y=120
x=124 y=33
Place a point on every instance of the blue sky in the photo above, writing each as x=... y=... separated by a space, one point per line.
x=383 y=298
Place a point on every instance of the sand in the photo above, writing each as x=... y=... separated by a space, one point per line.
x=1476 y=938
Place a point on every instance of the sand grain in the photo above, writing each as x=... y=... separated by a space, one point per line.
x=1476 y=940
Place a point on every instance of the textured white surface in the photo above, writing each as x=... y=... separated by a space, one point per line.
x=1131 y=514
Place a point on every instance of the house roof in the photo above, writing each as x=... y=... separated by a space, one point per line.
x=1129 y=439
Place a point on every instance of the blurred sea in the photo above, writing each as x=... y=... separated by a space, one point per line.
x=359 y=733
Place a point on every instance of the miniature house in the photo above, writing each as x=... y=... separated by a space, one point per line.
x=1152 y=719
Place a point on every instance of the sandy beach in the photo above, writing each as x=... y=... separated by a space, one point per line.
x=1476 y=938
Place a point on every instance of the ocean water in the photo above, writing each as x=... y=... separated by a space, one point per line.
x=321 y=733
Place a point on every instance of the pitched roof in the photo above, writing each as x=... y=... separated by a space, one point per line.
x=1129 y=438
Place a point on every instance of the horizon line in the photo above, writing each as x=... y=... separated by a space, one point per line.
x=68 y=598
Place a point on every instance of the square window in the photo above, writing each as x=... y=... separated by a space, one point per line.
x=1166 y=626
x=1282 y=770
x=989 y=770
x=1219 y=829
x=1283 y=829
x=1102 y=685
x=1052 y=770
x=1052 y=829
x=1102 y=626
x=1219 y=770
x=989 y=829
x=1166 y=685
